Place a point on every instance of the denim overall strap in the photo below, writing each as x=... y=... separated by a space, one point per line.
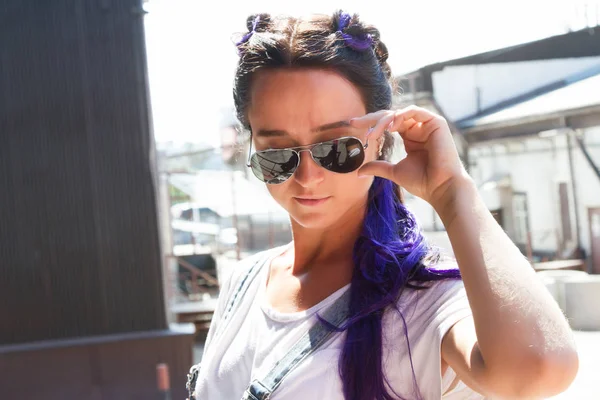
x=241 y=290
x=192 y=376
x=336 y=314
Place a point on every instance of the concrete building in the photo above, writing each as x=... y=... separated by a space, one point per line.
x=526 y=120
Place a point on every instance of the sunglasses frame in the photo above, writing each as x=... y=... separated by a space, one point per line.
x=300 y=149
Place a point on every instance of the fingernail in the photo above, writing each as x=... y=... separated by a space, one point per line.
x=369 y=131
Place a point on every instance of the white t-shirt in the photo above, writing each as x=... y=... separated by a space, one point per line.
x=257 y=336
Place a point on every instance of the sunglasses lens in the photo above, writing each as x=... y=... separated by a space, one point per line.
x=274 y=166
x=341 y=155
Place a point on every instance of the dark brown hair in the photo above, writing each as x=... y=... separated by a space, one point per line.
x=287 y=42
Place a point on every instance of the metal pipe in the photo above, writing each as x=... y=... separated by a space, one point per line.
x=163 y=382
x=574 y=188
x=234 y=215
x=587 y=156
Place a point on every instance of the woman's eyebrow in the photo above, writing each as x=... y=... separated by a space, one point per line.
x=270 y=133
x=322 y=128
x=333 y=125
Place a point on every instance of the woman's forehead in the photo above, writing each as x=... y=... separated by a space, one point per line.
x=306 y=100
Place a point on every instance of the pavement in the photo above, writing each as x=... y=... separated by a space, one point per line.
x=587 y=383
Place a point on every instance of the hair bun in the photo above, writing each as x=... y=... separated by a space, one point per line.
x=264 y=20
x=382 y=52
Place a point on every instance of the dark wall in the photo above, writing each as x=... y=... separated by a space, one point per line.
x=118 y=367
x=79 y=244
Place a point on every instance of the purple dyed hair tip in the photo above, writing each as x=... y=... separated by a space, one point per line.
x=357 y=43
x=248 y=35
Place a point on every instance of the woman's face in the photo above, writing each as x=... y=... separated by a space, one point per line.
x=292 y=108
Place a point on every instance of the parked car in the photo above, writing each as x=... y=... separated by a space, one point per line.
x=193 y=223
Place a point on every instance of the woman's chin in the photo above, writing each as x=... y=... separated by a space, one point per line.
x=312 y=220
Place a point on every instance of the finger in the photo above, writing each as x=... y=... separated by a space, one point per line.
x=419 y=128
x=404 y=126
x=381 y=125
x=411 y=119
x=383 y=169
x=421 y=131
x=411 y=146
x=417 y=113
x=369 y=120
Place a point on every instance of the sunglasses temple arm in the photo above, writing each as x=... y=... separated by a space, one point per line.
x=248 y=164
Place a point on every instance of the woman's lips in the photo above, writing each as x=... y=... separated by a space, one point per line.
x=311 y=202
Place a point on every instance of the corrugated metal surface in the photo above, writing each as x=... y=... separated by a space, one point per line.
x=79 y=247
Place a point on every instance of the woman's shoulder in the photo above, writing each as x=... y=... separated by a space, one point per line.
x=247 y=266
x=443 y=287
x=433 y=294
x=237 y=278
x=435 y=304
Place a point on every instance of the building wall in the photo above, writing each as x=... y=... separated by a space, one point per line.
x=532 y=169
x=456 y=88
x=536 y=166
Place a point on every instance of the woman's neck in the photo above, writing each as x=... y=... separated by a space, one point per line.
x=329 y=246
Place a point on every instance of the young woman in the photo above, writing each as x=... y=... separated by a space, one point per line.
x=357 y=306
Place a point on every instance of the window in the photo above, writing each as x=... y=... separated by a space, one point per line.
x=187 y=215
x=208 y=216
x=520 y=217
x=203 y=214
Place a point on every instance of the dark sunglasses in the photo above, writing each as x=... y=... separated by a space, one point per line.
x=275 y=166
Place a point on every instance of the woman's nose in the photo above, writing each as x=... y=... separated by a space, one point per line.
x=309 y=173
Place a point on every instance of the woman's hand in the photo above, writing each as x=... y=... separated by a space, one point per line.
x=518 y=343
x=432 y=164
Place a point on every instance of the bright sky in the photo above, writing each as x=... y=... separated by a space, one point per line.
x=191 y=58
